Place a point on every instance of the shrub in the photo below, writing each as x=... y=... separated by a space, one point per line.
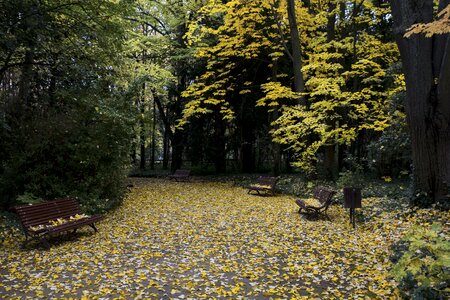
x=81 y=150
x=422 y=264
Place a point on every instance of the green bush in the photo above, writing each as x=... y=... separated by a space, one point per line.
x=422 y=264
x=81 y=150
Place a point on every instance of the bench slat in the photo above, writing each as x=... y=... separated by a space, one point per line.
x=264 y=184
x=43 y=213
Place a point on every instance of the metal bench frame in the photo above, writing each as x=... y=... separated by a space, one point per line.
x=325 y=198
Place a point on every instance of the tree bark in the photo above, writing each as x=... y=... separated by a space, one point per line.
x=276 y=148
x=142 y=137
x=426 y=65
x=331 y=151
x=219 y=145
x=299 y=85
x=152 y=162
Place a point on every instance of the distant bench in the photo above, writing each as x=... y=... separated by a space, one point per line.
x=51 y=217
x=264 y=184
x=180 y=174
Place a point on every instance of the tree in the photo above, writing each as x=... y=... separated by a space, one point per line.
x=347 y=85
x=242 y=43
x=163 y=65
x=64 y=125
x=426 y=64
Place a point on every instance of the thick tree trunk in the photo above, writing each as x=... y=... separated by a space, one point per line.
x=219 y=145
x=426 y=63
x=246 y=139
x=177 y=150
x=331 y=151
x=276 y=148
x=299 y=85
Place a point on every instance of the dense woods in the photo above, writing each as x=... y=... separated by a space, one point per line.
x=91 y=90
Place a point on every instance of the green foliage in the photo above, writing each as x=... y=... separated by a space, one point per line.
x=28 y=198
x=348 y=178
x=87 y=161
x=422 y=260
x=67 y=133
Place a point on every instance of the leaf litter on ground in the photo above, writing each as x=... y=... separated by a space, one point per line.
x=207 y=240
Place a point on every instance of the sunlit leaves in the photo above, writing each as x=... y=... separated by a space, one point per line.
x=232 y=36
x=349 y=86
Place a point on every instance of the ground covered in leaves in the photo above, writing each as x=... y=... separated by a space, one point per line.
x=212 y=240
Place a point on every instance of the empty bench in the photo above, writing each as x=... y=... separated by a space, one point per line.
x=318 y=204
x=263 y=184
x=44 y=219
x=180 y=174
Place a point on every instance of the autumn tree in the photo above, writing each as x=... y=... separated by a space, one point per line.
x=426 y=64
x=347 y=84
x=242 y=44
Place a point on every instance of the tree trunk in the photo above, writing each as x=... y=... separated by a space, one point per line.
x=165 y=164
x=299 y=85
x=276 y=148
x=25 y=80
x=152 y=162
x=142 y=147
x=219 y=145
x=331 y=150
x=177 y=150
x=426 y=64
x=142 y=131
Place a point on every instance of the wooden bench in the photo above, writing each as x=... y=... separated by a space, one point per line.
x=263 y=184
x=318 y=204
x=180 y=174
x=51 y=217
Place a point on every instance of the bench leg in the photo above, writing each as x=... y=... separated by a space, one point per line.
x=44 y=243
x=93 y=227
x=24 y=244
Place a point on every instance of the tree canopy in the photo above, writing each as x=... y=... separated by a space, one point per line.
x=91 y=90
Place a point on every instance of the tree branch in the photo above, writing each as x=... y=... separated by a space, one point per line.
x=280 y=30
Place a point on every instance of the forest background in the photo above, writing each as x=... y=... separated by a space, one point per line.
x=90 y=90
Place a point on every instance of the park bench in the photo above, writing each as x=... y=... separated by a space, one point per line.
x=263 y=184
x=51 y=217
x=318 y=204
x=180 y=174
